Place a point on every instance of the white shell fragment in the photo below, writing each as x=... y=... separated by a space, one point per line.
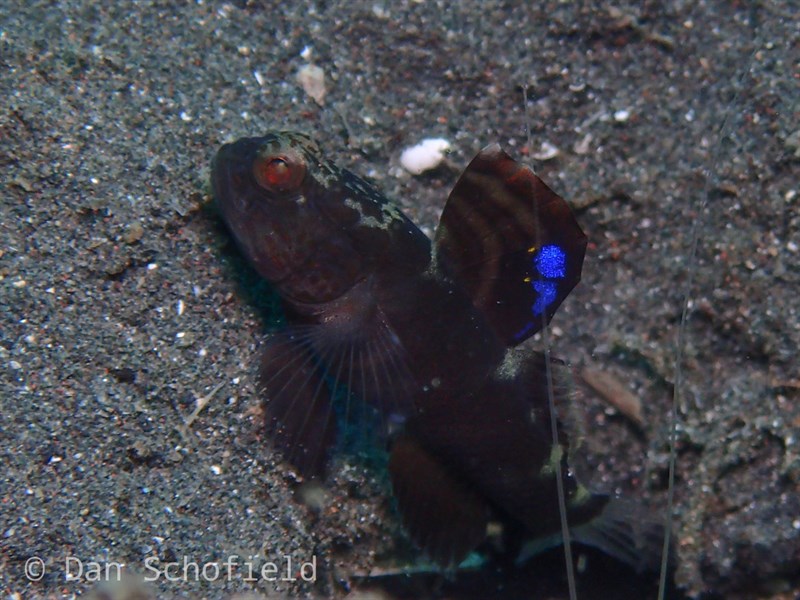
x=312 y=79
x=426 y=155
x=622 y=115
x=547 y=151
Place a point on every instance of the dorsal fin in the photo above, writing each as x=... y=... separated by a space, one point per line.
x=512 y=242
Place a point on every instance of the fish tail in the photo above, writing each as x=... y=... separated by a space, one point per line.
x=626 y=530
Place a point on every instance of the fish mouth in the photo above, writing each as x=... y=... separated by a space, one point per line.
x=227 y=178
x=219 y=173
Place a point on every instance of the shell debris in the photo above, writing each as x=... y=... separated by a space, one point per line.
x=312 y=79
x=426 y=155
x=613 y=391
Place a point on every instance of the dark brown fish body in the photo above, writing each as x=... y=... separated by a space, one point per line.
x=424 y=332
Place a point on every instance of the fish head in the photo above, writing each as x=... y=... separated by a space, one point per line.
x=277 y=196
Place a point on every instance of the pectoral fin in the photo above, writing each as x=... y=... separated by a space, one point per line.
x=444 y=518
x=297 y=402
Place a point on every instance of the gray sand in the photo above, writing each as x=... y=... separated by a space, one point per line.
x=122 y=305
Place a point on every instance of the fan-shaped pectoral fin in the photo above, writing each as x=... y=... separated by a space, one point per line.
x=297 y=402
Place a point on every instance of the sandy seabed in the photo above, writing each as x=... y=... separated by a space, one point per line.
x=124 y=308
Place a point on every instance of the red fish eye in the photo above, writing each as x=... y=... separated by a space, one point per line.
x=278 y=173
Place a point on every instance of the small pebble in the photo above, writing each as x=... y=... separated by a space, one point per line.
x=134 y=233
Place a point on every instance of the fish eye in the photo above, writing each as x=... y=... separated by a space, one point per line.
x=279 y=172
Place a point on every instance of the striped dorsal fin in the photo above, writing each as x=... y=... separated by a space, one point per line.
x=512 y=242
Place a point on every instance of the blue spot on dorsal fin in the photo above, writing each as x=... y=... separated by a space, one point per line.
x=551 y=262
x=523 y=333
x=549 y=265
x=547 y=292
